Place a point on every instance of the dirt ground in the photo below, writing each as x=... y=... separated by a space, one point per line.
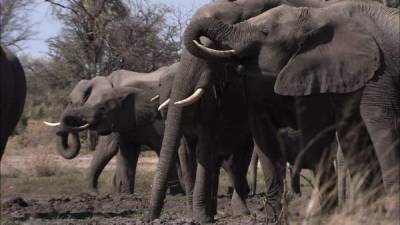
x=39 y=187
x=41 y=204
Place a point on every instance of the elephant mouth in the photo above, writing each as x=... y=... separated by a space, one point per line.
x=76 y=124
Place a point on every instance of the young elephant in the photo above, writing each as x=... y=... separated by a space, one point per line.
x=12 y=94
x=120 y=108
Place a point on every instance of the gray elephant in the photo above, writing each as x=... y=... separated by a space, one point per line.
x=345 y=53
x=289 y=140
x=12 y=94
x=122 y=108
x=195 y=78
x=233 y=155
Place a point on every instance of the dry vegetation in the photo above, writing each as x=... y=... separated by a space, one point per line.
x=35 y=171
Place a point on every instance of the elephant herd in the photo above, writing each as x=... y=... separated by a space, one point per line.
x=281 y=81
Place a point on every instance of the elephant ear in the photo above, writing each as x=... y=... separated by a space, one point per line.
x=337 y=57
x=80 y=92
x=136 y=102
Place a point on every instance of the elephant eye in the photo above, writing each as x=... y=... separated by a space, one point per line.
x=265 y=30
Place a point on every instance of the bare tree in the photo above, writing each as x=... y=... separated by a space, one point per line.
x=100 y=36
x=15 y=26
x=85 y=23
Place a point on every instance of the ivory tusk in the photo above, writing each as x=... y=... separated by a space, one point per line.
x=164 y=104
x=191 y=99
x=82 y=127
x=155 y=98
x=230 y=52
x=52 y=124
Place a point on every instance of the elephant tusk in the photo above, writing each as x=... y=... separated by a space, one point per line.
x=52 y=124
x=164 y=104
x=191 y=99
x=155 y=98
x=219 y=53
x=83 y=127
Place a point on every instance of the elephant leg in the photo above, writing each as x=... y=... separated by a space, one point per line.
x=240 y=164
x=356 y=145
x=188 y=170
x=380 y=111
x=253 y=171
x=202 y=188
x=124 y=178
x=215 y=186
x=106 y=149
x=174 y=184
x=295 y=182
x=272 y=162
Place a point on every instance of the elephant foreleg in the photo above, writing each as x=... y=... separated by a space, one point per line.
x=380 y=110
x=188 y=170
x=124 y=178
x=271 y=159
x=240 y=164
x=202 y=188
x=106 y=149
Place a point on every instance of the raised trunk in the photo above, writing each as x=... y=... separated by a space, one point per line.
x=65 y=149
x=223 y=34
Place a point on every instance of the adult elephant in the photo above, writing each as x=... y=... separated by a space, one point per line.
x=346 y=53
x=12 y=94
x=195 y=79
x=230 y=146
x=119 y=107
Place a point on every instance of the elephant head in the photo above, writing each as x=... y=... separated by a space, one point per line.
x=308 y=50
x=98 y=105
x=78 y=96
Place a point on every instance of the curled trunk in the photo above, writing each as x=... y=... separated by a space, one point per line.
x=224 y=34
x=65 y=149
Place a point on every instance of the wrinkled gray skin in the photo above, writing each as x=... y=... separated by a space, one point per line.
x=12 y=94
x=232 y=154
x=117 y=106
x=197 y=73
x=346 y=53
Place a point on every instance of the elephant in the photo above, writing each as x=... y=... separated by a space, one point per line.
x=191 y=88
x=122 y=108
x=231 y=155
x=12 y=94
x=289 y=140
x=345 y=53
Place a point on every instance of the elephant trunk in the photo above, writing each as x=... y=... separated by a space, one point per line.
x=191 y=74
x=222 y=33
x=170 y=144
x=65 y=149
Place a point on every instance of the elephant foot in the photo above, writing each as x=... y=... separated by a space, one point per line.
x=202 y=217
x=122 y=186
x=92 y=190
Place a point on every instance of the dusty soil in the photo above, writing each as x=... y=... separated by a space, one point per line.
x=89 y=208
